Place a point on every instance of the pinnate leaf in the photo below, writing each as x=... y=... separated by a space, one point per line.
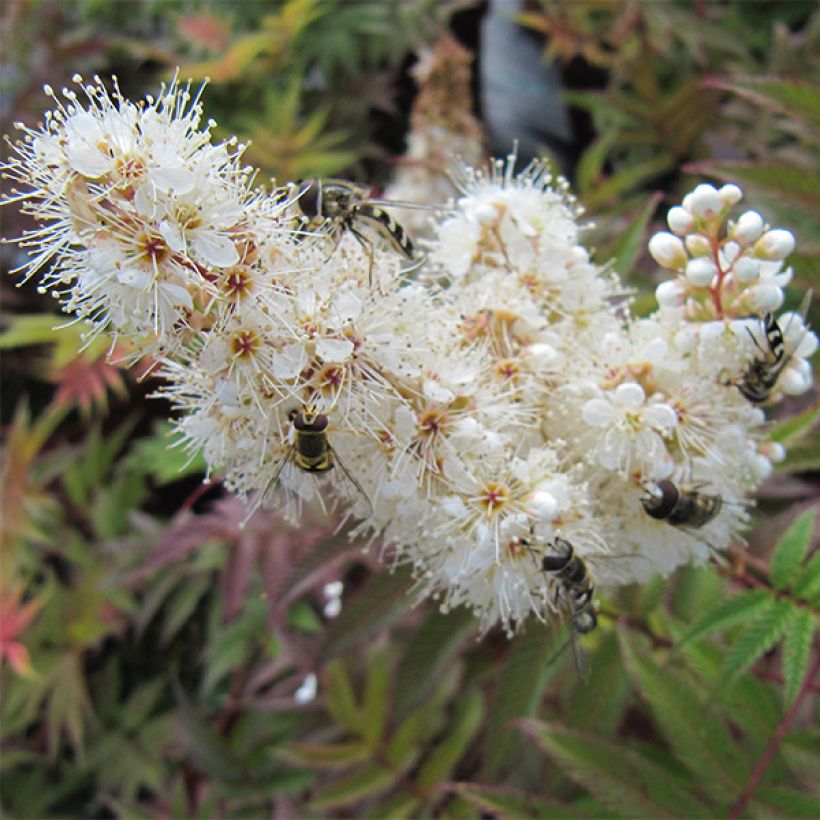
x=619 y=777
x=363 y=782
x=700 y=739
x=432 y=649
x=326 y=756
x=382 y=600
x=462 y=729
x=807 y=584
x=339 y=697
x=729 y=612
x=791 y=550
x=507 y=802
x=521 y=684
x=797 y=654
x=798 y=99
x=764 y=632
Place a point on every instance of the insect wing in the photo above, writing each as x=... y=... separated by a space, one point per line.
x=350 y=488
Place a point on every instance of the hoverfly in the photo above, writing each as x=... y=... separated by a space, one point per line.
x=571 y=572
x=311 y=451
x=679 y=506
x=346 y=206
x=760 y=377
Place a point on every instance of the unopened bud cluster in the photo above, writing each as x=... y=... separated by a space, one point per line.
x=471 y=421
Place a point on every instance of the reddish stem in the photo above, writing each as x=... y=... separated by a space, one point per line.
x=776 y=739
x=716 y=291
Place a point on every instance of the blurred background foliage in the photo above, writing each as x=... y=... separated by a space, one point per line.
x=157 y=656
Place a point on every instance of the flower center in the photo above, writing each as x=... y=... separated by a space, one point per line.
x=244 y=344
x=493 y=497
x=432 y=422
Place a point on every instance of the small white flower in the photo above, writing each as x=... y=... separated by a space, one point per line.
x=306 y=693
x=632 y=431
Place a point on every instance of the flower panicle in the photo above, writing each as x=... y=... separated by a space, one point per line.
x=478 y=424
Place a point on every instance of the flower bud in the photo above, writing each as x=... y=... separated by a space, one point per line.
x=761 y=466
x=670 y=294
x=764 y=298
x=746 y=269
x=748 y=227
x=701 y=271
x=774 y=451
x=542 y=505
x=730 y=195
x=796 y=378
x=777 y=244
x=667 y=250
x=729 y=252
x=704 y=202
x=680 y=220
x=698 y=245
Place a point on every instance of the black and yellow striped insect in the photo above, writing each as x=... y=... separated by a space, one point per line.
x=760 y=377
x=570 y=571
x=345 y=206
x=680 y=506
x=310 y=451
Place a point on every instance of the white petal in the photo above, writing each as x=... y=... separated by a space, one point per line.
x=290 y=362
x=215 y=249
x=661 y=416
x=435 y=392
x=177 y=295
x=179 y=180
x=599 y=412
x=334 y=350
x=629 y=395
x=172 y=234
x=134 y=277
x=347 y=306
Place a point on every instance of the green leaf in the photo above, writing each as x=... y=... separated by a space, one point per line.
x=791 y=430
x=764 y=632
x=405 y=804
x=601 y=702
x=521 y=684
x=801 y=751
x=381 y=601
x=791 y=549
x=695 y=590
x=376 y=699
x=788 y=95
x=793 y=184
x=782 y=801
x=807 y=584
x=802 y=459
x=326 y=756
x=797 y=654
x=628 y=245
x=700 y=739
x=735 y=610
x=163 y=459
x=339 y=697
x=507 y=802
x=621 y=779
x=463 y=727
x=432 y=649
x=364 y=782
x=181 y=606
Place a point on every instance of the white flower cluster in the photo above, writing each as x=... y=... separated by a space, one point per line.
x=468 y=423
